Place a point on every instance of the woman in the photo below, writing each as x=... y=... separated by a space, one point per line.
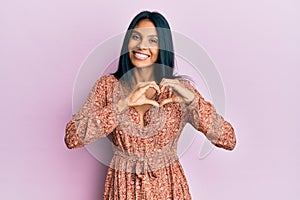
x=145 y=107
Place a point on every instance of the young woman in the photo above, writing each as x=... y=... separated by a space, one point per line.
x=145 y=107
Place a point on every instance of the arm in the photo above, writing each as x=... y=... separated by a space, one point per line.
x=95 y=119
x=203 y=116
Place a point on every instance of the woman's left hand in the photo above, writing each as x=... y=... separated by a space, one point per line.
x=182 y=94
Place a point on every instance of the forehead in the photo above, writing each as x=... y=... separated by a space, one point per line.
x=146 y=26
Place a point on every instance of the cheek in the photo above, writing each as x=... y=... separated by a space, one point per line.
x=132 y=44
x=130 y=47
x=155 y=54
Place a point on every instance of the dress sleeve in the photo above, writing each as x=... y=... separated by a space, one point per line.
x=203 y=116
x=95 y=119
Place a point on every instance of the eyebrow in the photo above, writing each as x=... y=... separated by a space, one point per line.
x=152 y=35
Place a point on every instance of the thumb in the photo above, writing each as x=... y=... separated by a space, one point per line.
x=170 y=100
x=152 y=102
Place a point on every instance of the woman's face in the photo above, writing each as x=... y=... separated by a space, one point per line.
x=143 y=44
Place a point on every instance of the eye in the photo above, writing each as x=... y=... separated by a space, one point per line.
x=135 y=37
x=153 y=41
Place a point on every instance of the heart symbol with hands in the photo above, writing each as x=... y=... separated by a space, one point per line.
x=145 y=93
x=143 y=96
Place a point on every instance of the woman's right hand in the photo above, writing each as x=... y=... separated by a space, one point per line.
x=143 y=93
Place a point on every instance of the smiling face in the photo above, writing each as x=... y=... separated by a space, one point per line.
x=143 y=44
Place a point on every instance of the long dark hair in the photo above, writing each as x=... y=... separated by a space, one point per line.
x=165 y=59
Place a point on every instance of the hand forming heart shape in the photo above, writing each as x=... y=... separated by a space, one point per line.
x=145 y=93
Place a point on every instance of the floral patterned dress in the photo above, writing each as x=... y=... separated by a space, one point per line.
x=145 y=164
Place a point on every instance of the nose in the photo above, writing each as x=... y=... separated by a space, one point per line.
x=143 y=44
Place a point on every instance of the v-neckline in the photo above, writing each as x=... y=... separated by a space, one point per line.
x=138 y=123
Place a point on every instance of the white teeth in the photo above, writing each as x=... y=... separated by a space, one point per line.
x=140 y=56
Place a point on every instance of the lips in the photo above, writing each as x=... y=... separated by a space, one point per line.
x=140 y=56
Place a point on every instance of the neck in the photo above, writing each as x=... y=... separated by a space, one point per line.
x=144 y=74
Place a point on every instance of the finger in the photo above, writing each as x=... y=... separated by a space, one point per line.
x=151 y=85
x=164 y=85
x=166 y=80
x=170 y=100
x=163 y=82
x=165 y=101
x=162 y=88
x=178 y=88
x=143 y=100
x=155 y=86
x=142 y=84
x=141 y=89
x=154 y=103
x=168 y=86
x=146 y=83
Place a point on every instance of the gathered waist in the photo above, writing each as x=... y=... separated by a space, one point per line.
x=143 y=163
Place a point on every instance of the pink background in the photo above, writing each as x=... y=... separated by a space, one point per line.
x=255 y=46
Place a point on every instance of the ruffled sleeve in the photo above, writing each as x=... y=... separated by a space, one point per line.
x=203 y=116
x=96 y=118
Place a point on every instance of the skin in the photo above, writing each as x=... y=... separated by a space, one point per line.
x=143 y=50
x=143 y=40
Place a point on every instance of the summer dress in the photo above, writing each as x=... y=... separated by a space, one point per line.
x=145 y=164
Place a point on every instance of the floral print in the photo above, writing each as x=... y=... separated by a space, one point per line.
x=145 y=164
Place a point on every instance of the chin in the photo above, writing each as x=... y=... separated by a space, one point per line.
x=142 y=65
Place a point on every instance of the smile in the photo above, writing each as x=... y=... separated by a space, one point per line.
x=140 y=56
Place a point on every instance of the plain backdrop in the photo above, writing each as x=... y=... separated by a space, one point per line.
x=254 y=45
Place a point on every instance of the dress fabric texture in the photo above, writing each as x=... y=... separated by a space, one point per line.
x=145 y=164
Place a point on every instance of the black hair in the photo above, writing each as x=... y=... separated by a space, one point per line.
x=166 y=49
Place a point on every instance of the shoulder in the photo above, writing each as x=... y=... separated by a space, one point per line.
x=186 y=82
x=107 y=80
x=105 y=83
x=190 y=85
